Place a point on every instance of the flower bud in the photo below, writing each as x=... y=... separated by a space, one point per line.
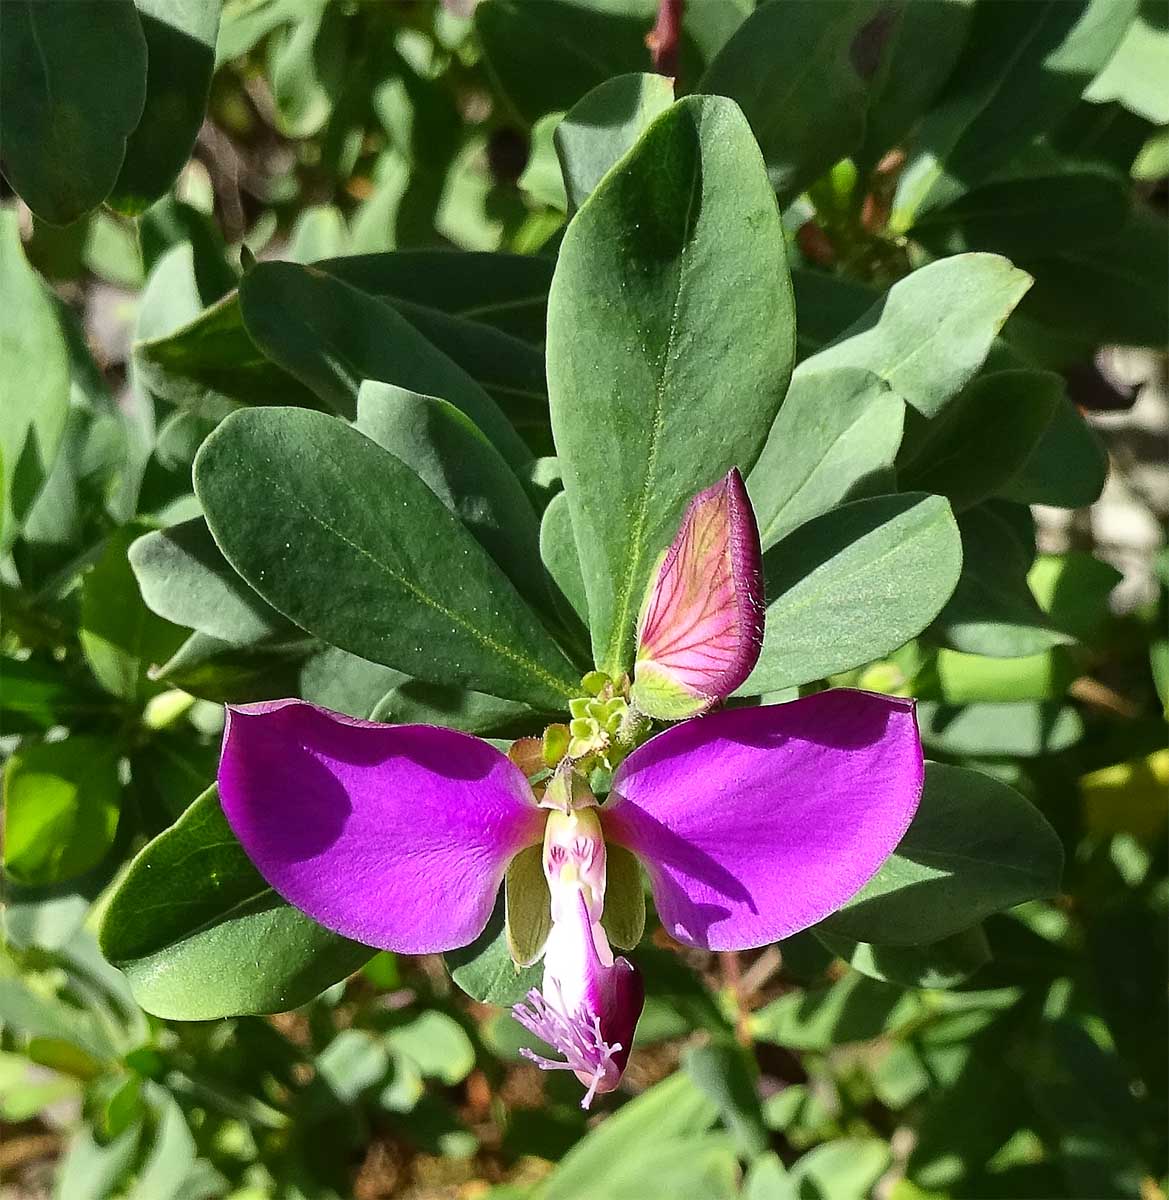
x=701 y=626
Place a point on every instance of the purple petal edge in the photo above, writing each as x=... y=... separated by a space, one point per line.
x=755 y=823
x=397 y=836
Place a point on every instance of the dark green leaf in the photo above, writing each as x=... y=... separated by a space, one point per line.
x=974 y=848
x=982 y=439
x=180 y=51
x=1066 y=469
x=1024 y=65
x=790 y=68
x=644 y=410
x=185 y=578
x=73 y=85
x=485 y=970
x=725 y=1073
x=332 y=337
x=894 y=558
x=372 y=569
x=200 y=935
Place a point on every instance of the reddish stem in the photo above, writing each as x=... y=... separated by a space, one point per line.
x=663 y=39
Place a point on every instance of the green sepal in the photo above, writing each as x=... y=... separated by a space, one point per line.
x=623 y=918
x=527 y=907
x=664 y=699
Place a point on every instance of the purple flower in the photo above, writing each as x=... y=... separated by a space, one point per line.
x=751 y=823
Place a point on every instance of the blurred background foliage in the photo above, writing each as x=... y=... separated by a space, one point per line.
x=1025 y=1058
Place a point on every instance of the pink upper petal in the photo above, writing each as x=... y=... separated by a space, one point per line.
x=701 y=628
x=395 y=836
x=754 y=823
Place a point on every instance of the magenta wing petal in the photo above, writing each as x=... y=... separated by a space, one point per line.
x=395 y=836
x=701 y=628
x=754 y=823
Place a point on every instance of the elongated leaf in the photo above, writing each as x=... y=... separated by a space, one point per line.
x=1024 y=65
x=640 y=321
x=180 y=50
x=332 y=337
x=929 y=335
x=982 y=440
x=200 y=935
x=924 y=44
x=790 y=68
x=559 y=554
x=895 y=559
x=598 y=130
x=1135 y=74
x=992 y=611
x=463 y=469
x=63 y=128
x=380 y=567
x=185 y=578
x=974 y=848
x=36 y=380
x=834 y=440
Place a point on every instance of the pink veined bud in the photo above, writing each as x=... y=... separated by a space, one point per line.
x=701 y=626
x=590 y=1002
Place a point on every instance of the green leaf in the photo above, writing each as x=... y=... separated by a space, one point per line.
x=544 y=59
x=640 y=323
x=319 y=232
x=1073 y=589
x=485 y=970
x=372 y=572
x=345 y=683
x=1135 y=74
x=200 y=935
x=93 y=1171
x=729 y=1076
x=184 y=577
x=170 y=1158
x=1115 y=289
x=1067 y=467
x=767 y=1179
x=893 y=558
x=835 y=439
x=464 y=470
x=437 y=1045
x=669 y=1116
x=560 y=558
x=942 y=964
x=121 y=637
x=975 y=847
x=61 y=806
x=971 y=678
x=790 y=69
x=845 y=1169
x=1039 y=211
x=1021 y=729
x=992 y=611
x=924 y=44
x=413 y=702
x=330 y=336
x=1023 y=67
x=180 y=52
x=599 y=129
x=853 y=1009
x=74 y=82
x=36 y=380
x=39 y=694
x=928 y=336
x=983 y=438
